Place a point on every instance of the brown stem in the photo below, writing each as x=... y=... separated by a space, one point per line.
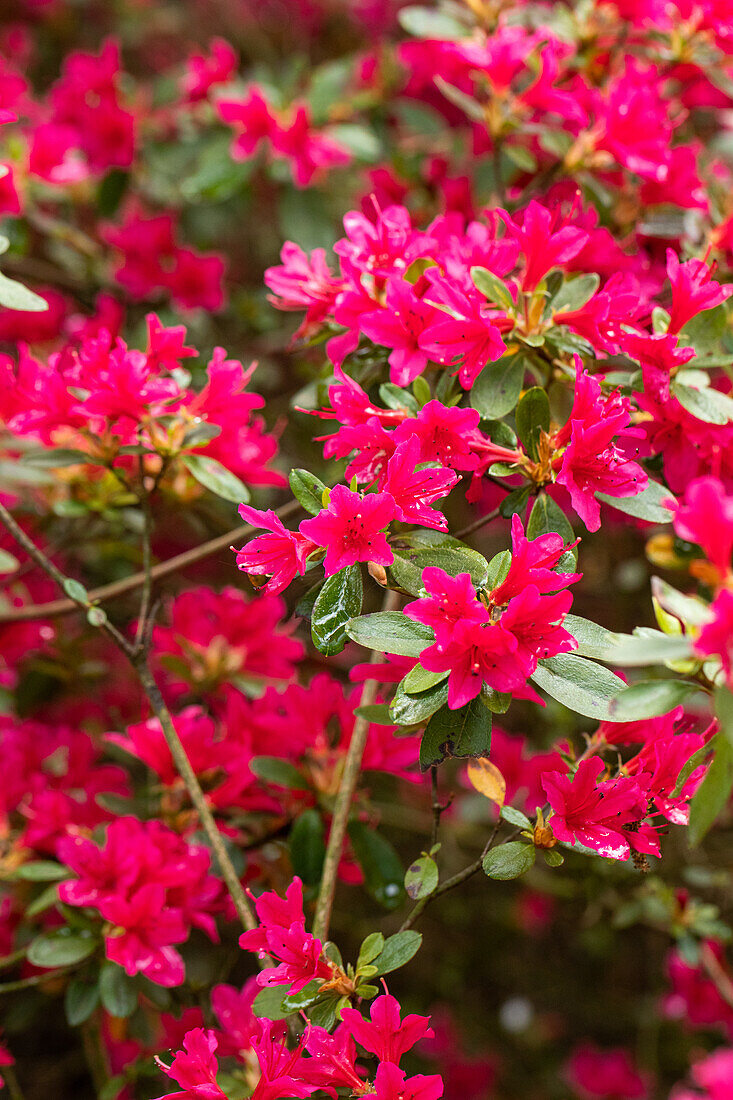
x=54 y=608
x=189 y=777
x=717 y=974
x=139 y=661
x=468 y=530
x=95 y=1054
x=349 y=779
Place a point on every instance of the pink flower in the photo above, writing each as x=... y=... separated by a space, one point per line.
x=446 y=434
x=478 y=653
x=166 y=347
x=282 y=934
x=254 y=115
x=391 y=1083
x=414 y=490
x=660 y=359
x=281 y=555
x=533 y=562
x=542 y=241
x=351 y=529
x=386 y=1034
x=197 y=730
x=592 y=462
x=283 y=1072
x=605 y=1075
x=449 y=601
x=693 y=290
x=143 y=934
x=661 y=761
x=591 y=812
x=385 y=245
x=468 y=337
x=399 y=325
x=204 y=72
x=705 y=516
x=195 y=1068
x=535 y=620
x=308 y=151
x=716 y=637
x=303 y=282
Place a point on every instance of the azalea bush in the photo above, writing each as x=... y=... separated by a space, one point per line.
x=366 y=677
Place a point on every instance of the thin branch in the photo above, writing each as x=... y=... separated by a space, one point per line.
x=139 y=661
x=349 y=779
x=719 y=977
x=11 y=1080
x=55 y=608
x=456 y=880
x=145 y=599
x=469 y=530
x=35 y=979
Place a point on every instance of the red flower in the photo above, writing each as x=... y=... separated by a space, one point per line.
x=351 y=529
x=414 y=490
x=281 y=555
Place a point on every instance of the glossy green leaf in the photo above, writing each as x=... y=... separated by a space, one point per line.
x=398 y=950
x=117 y=991
x=650 y=698
x=213 y=476
x=456 y=733
x=14 y=295
x=338 y=602
x=421 y=878
x=546 y=518
x=380 y=863
x=713 y=794
x=532 y=418
x=579 y=684
x=308 y=490
x=62 y=947
x=390 y=632
x=492 y=287
x=278 y=772
x=575 y=292
x=412 y=709
x=509 y=860
x=80 y=1000
x=649 y=504
x=307 y=847
x=497 y=389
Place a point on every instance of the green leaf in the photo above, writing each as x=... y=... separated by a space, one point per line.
x=649 y=699
x=706 y=404
x=395 y=397
x=382 y=867
x=43 y=870
x=546 y=518
x=215 y=477
x=62 y=947
x=8 y=562
x=712 y=796
x=307 y=996
x=377 y=713
x=553 y=858
x=390 y=632
x=430 y=23
x=80 y=1000
x=575 y=293
x=580 y=685
x=457 y=733
x=593 y=640
x=646 y=647
x=359 y=140
x=695 y=760
x=338 y=602
x=14 y=295
x=322 y=1013
x=414 y=709
x=75 y=591
x=371 y=947
x=532 y=418
x=268 y=1004
x=509 y=860
x=421 y=878
x=497 y=389
x=117 y=991
x=492 y=287
x=421 y=390
x=499 y=567
x=278 y=772
x=53 y=457
x=515 y=817
x=648 y=504
x=308 y=490
x=45 y=900
x=419 y=679
x=515 y=501
x=307 y=847
x=688 y=609
x=397 y=951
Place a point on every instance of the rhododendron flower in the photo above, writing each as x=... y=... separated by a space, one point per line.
x=386 y=1034
x=534 y=619
x=195 y=1068
x=307 y=150
x=542 y=241
x=662 y=761
x=445 y=434
x=399 y=325
x=468 y=337
x=414 y=490
x=605 y=1075
x=282 y=934
x=281 y=555
x=391 y=1083
x=254 y=115
x=283 y=1072
x=382 y=246
x=716 y=637
x=477 y=654
x=714 y=1074
x=660 y=359
x=533 y=562
x=204 y=71
x=448 y=601
x=351 y=529
x=705 y=516
x=233 y=1009
x=591 y=812
x=693 y=290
